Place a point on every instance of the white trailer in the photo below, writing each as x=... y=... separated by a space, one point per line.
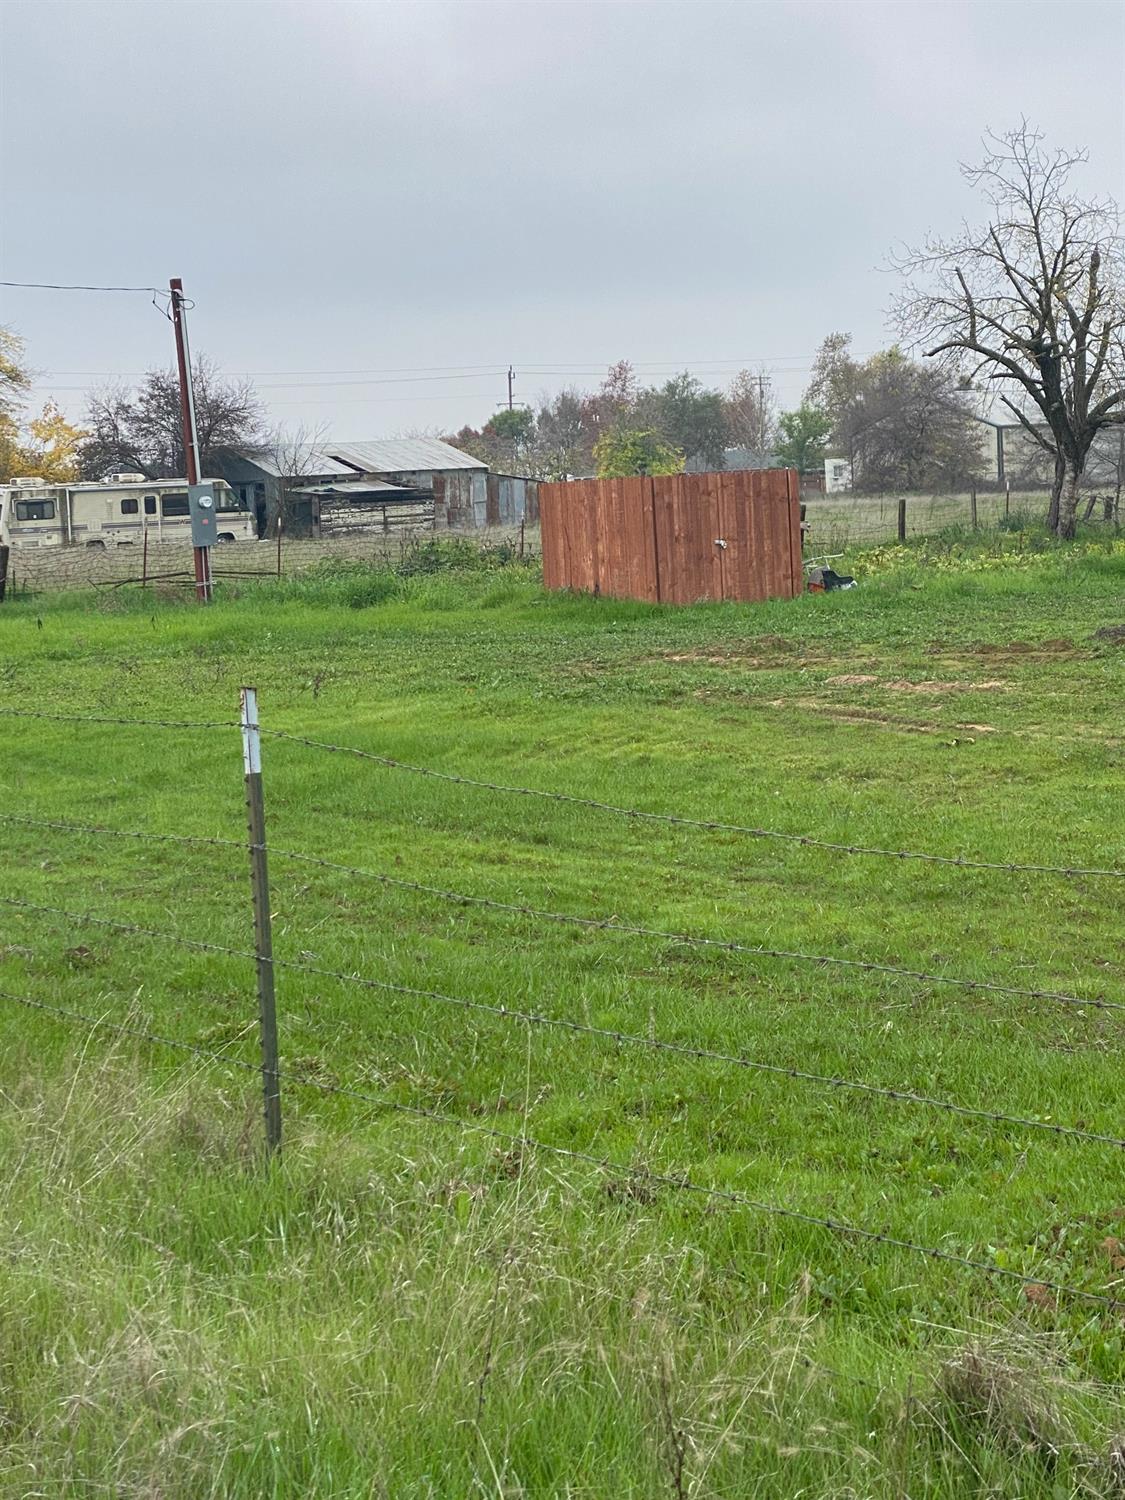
x=115 y=512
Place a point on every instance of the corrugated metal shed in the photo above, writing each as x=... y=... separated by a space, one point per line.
x=352 y=488
x=294 y=460
x=402 y=455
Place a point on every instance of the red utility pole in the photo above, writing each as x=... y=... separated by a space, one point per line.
x=191 y=438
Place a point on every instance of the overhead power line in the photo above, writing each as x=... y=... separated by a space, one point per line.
x=54 y=286
x=328 y=377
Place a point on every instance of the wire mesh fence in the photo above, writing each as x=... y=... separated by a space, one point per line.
x=838 y=523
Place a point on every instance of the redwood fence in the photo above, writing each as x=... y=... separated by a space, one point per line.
x=675 y=538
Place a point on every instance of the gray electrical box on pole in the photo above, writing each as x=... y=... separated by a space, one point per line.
x=201 y=506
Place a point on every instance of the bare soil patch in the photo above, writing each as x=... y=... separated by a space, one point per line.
x=930 y=687
x=854 y=714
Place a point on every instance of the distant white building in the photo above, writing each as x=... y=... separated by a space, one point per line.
x=837 y=476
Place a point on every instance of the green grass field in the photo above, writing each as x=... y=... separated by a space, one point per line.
x=403 y=1306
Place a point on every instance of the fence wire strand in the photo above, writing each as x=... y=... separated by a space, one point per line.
x=803 y=839
x=605 y=924
x=522 y=1141
x=29 y=713
x=611 y=924
x=604 y=1033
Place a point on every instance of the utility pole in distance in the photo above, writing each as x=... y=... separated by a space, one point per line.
x=761 y=417
x=191 y=436
x=511 y=383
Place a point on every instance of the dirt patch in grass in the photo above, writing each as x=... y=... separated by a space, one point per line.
x=762 y=662
x=900 y=685
x=854 y=714
x=1055 y=650
x=930 y=687
x=759 y=654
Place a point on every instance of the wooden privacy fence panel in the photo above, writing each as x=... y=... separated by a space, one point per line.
x=602 y=529
x=676 y=538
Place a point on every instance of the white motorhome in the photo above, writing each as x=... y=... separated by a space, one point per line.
x=114 y=512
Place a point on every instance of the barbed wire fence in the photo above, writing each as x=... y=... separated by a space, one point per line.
x=269 y=968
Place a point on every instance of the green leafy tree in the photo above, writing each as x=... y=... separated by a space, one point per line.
x=689 y=417
x=629 y=450
x=803 y=437
x=512 y=432
x=505 y=443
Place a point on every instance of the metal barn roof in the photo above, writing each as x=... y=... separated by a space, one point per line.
x=378 y=456
x=397 y=455
x=294 y=460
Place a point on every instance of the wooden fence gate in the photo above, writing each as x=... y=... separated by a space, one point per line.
x=675 y=538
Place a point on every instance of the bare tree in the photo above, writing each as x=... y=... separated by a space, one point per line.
x=1035 y=299
x=752 y=416
x=563 y=442
x=142 y=429
x=906 y=427
x=900 y=424
x=297 y=456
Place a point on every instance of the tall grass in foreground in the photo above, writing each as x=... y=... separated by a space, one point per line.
x=179 y=1320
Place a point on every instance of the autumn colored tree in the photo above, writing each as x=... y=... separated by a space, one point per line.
x=53 y=450
x=15 y=381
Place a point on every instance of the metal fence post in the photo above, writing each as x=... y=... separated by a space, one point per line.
x=902 y=518
x=263 y=935
x=4 y=555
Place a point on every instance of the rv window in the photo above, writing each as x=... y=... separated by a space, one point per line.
x=173 y=505
x=150 y=505
x=129 y=507
x=35 y=510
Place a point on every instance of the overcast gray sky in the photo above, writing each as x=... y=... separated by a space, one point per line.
x=366 y=199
